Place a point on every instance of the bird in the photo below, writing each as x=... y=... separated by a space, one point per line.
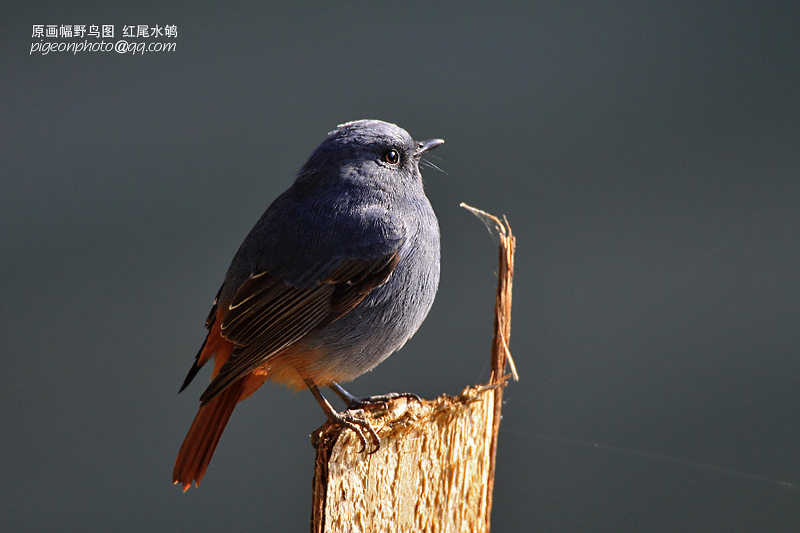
x=337 y=274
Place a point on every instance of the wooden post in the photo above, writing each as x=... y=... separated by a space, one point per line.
x=434 y=471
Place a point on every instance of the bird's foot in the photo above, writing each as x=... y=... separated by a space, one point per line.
x=371 y=403
x=379 y=401
x=359 y=425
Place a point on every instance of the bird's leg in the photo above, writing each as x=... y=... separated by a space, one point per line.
x=370 y=402
x=346 y=419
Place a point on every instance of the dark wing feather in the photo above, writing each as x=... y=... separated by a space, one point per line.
x=212 y=315
x=348 y=295
x=266 y=315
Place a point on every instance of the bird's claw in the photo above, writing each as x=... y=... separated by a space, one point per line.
x=378 y=402
x=358 y=425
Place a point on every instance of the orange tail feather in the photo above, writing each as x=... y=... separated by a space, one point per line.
x=203 y=436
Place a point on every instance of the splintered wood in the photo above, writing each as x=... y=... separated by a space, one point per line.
x=429 y=474
x=434 y=471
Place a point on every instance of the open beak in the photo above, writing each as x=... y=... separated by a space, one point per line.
x=427 y=146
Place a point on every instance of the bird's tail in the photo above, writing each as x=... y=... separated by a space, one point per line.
x=203 y=436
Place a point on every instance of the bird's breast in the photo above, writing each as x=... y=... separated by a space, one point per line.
x=389 y=315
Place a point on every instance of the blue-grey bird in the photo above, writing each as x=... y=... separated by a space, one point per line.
x=336 y=275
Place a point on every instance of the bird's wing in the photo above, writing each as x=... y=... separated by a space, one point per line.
x=266 y=314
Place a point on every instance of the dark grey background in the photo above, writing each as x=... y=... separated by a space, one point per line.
x=647 y=157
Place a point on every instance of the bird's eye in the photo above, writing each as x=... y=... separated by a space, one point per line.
x=392 y=157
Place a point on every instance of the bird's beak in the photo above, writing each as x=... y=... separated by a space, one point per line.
x=427 y=146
